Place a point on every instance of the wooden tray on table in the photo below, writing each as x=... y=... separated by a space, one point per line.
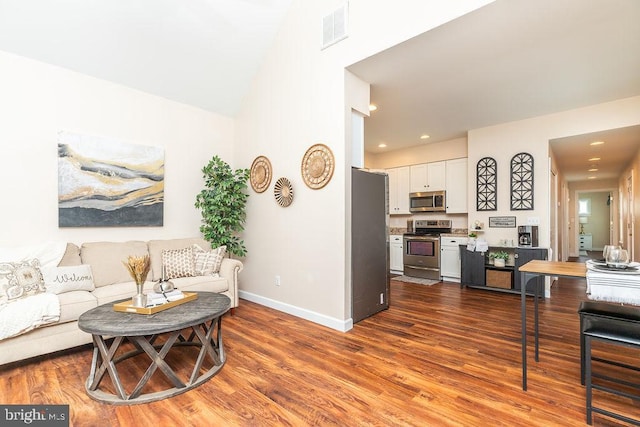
x=126 y=307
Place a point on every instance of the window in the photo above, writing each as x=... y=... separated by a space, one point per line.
x=584 y=207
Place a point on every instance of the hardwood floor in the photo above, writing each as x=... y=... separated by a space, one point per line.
x=440 y=356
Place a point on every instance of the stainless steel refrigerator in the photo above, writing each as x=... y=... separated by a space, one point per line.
x=369 y=243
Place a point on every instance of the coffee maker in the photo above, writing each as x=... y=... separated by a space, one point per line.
x=528 y=235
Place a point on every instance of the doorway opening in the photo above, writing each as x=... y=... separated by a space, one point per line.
x=595 y=219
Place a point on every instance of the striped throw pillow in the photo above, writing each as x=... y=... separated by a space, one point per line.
x=208 y=262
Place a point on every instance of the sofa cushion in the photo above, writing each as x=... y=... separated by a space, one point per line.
x=20 y=280
x=58 y=280
x=71 y=256
x=201 y=283
x=178 y=263
x=106 y=260
x=74 y=303
x=156 y=247
x=208 y=262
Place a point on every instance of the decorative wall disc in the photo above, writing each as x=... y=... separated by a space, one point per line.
x=260 y=175
x=317 y=166
x=283 y=192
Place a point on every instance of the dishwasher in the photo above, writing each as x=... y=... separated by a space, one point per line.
x=450 y=257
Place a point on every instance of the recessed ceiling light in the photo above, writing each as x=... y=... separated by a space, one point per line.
x=597 y=143
x=424 y=136
x=593 y=170
x=373 y=107
x=382 y=145
x=594 y=159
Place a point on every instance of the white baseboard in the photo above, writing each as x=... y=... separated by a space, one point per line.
x=321 y=319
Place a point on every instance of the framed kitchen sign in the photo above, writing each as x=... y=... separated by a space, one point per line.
x=502 y=221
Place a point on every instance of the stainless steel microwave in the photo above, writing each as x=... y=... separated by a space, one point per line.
x=430 y=201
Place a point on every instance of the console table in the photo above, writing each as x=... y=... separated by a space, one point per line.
x=201 y=318
x=529 y=271
x=477 y=272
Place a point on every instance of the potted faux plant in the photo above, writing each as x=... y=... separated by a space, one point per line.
x=472 y=238
x=223 y=205
x=499 y=258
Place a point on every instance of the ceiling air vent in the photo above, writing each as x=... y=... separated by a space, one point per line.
x=334 y=26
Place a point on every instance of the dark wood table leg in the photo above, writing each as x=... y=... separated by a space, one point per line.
x=523 y=320
x=525 y=277
x=536 y=321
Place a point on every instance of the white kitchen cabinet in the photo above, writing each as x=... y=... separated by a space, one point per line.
x=395 y=254
x=418 y=178
x=399 y=191
x=450 y=258
x=456 y=186
x=428 y=177
x=586 y=242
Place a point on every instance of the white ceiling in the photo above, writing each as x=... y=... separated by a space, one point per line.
x=573 y=153
x=509 y=60
x=199 y=52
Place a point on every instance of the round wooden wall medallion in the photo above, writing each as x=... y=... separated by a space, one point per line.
x=317 y=166
x=260 y=175
x=283 y=192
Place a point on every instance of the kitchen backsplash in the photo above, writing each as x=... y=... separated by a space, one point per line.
x=402 y=230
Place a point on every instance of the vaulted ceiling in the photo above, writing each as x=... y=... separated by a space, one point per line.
x=199 y=52
x=510 y=60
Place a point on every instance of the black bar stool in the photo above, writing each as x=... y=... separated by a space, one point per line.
x=613 y=324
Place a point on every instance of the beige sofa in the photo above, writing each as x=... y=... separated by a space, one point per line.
x=112 y=282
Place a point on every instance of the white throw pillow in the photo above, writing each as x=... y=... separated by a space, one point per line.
x=58 y=280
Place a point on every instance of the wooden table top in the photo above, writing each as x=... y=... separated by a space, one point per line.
x=555 y=268
x=104 y=320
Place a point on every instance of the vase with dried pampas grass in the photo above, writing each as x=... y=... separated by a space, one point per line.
x=138 y=267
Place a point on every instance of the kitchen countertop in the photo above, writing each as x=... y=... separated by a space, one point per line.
x=397 y=230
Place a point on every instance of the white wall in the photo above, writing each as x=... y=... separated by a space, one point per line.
x=576 y=191
x=503 y=141
x=39 y=100
x=423 y=153
x=599 y=223
x=298 y=99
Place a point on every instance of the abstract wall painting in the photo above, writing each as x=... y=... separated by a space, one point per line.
x=104 y=182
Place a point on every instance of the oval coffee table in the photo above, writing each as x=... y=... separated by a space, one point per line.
x=194 y=323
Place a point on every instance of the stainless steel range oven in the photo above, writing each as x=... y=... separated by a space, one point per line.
x=421 y=257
